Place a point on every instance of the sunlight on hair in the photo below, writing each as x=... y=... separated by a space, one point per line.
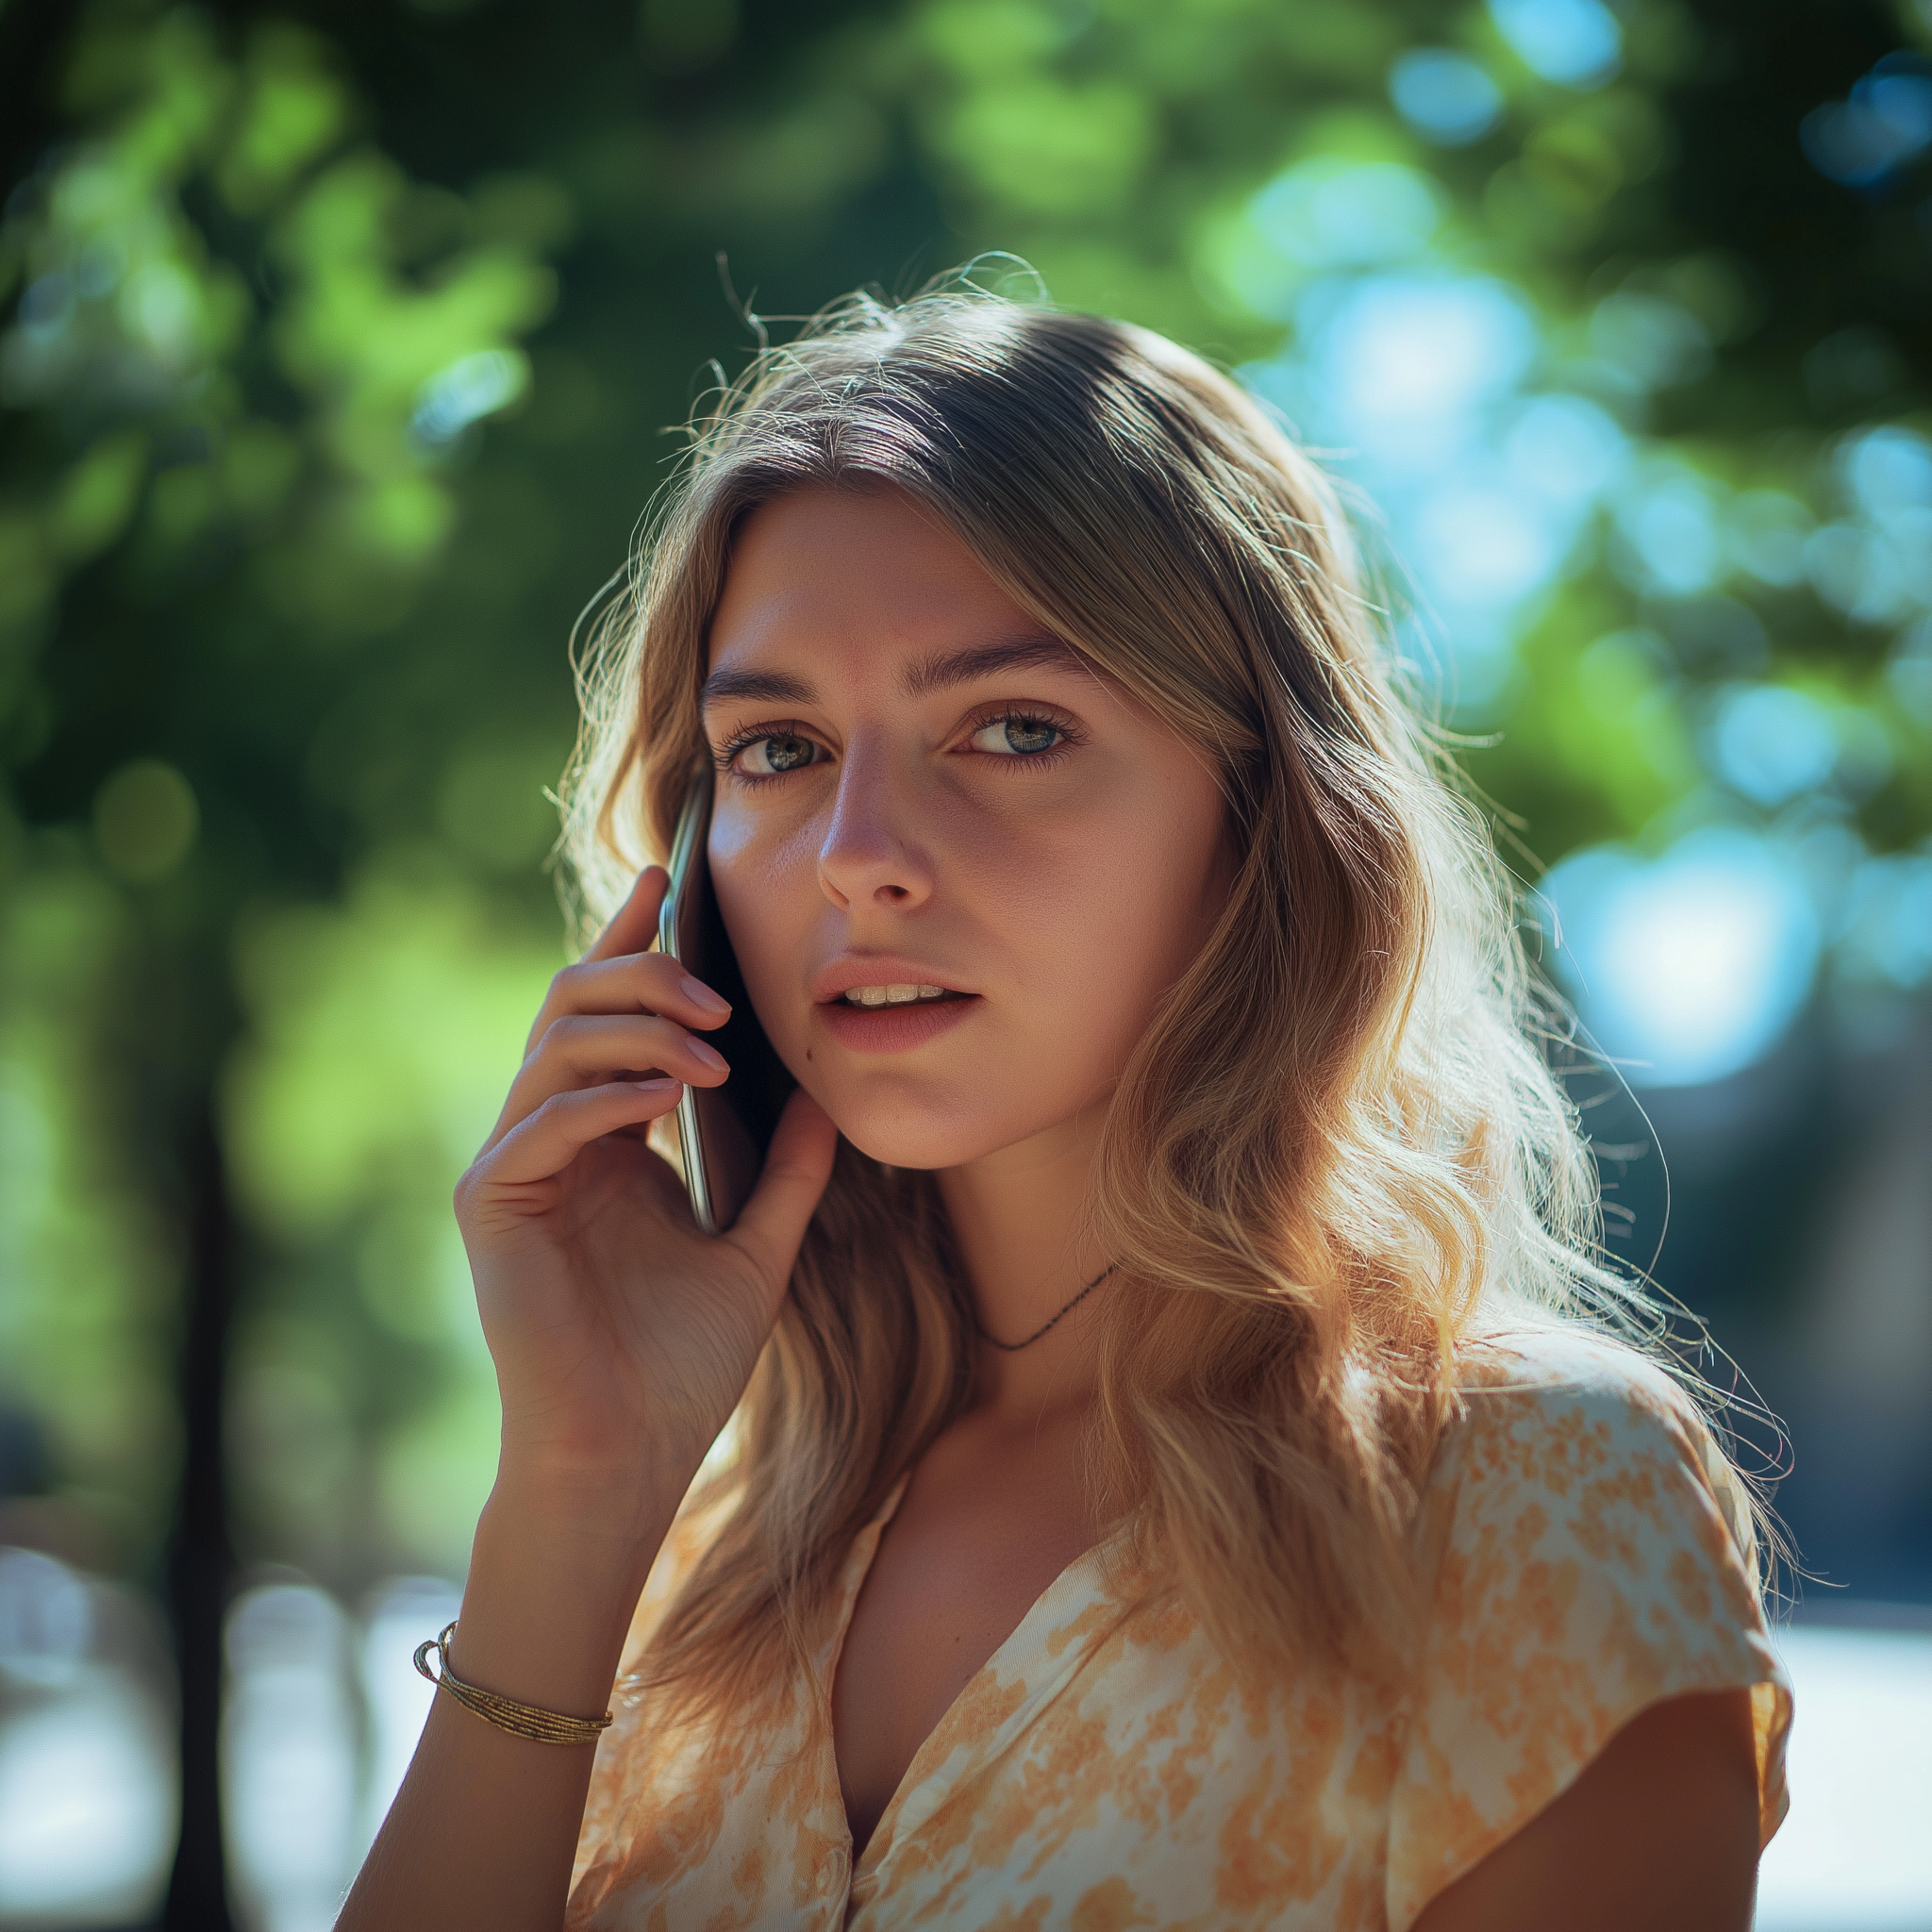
x=1444 y=1164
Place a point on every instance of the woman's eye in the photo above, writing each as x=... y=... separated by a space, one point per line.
x=765 y=757
x=1019 y=735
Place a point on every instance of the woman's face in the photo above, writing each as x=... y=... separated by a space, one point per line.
x=922 y=788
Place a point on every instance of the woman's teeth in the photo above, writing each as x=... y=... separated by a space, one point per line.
x=891 y=996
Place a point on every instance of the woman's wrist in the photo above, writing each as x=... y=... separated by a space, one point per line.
x=599 y=1483
x=555 y=1576
x=591 y=1494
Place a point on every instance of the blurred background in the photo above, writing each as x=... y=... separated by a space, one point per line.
x=341 y=347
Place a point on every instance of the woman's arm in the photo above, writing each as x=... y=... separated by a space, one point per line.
x=483 y=1830
x=623 y=1339
x=1660 y=1831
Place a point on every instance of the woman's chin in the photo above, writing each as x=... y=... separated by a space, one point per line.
x=924 y=1137
x=898 y=1147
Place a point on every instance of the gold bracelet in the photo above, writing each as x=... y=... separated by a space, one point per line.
x=520 y=1719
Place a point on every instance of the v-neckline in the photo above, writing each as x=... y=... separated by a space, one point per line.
x=918 y=1771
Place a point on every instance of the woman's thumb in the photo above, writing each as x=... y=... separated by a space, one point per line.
x=772 y=1222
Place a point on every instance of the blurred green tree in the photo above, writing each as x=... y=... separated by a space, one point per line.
x=244 y=337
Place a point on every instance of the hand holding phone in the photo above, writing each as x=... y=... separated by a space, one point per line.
x=623 y=1333
x=722 y=1132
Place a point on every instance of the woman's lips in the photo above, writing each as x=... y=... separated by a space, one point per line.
x=894 y=1029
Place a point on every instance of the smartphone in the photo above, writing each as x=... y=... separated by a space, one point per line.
x=722 y=1132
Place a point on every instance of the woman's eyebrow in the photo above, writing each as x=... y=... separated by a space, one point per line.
x=756 y=687
x=985 y=661
x=928 y=676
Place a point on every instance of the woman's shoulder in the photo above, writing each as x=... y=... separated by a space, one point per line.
x=1552 y=1412
x=1581 y=1519
x=1587 y=1552
x=1535 y=1393
x=1549 y=1355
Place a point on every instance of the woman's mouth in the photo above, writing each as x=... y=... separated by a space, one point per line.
x=898 y=994
x=892 y=1017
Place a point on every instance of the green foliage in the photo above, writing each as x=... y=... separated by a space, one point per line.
x=304 y=421
x=283 y=631
x=385 y=1034
x=247 y=349
x=146 y=819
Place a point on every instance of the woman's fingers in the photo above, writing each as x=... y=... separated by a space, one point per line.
x=634 y=983
x=635 y=924
x=628 y=982
x=589 y=1050
x=772 y=1222
x=631 y=931
x=553 y=1136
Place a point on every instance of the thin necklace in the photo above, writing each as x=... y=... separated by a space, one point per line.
x=1014 y=1347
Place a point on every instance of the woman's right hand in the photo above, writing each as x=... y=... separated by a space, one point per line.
x=624 y=1337
x=623 y=1340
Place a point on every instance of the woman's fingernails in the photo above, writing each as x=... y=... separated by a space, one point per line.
x=699 y=994
x=710 y=1056
x=658 y=1086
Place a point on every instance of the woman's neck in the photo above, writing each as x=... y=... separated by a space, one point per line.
x=1020 y=1219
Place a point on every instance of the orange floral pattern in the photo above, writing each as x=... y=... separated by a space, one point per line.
x=1106 y=1770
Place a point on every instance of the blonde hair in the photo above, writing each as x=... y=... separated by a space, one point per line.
x=1338 y=1156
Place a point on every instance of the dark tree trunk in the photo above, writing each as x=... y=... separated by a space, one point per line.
x=32 y=35
x=201 y=1559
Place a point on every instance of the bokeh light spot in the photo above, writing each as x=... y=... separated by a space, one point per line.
x=146 y=819
x=1672 y=542
x=1765 y=532
x=1566 y=447
x=1649 y=342
x=1687 y=967
x=1887 y=119
x=1769 y=743
x=1330 y=213
x=468 y=390
x=1443 y=96
x=1577 y=44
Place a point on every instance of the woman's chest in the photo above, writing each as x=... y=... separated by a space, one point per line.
x=1103 y=1770
x=1144 y=1787
x=971 y=1548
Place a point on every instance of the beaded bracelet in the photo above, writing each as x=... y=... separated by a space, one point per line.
x=520 y=1719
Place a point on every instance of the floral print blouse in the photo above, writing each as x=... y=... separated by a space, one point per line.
x=1105 y=1770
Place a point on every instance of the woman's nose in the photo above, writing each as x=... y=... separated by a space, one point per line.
x=871 y=854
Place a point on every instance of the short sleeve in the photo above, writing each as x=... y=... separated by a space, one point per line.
x=1583 y=1570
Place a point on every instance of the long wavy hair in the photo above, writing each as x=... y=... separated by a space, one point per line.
x=1337 y=1160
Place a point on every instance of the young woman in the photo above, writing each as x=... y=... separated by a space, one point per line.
x=1174 y=1463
